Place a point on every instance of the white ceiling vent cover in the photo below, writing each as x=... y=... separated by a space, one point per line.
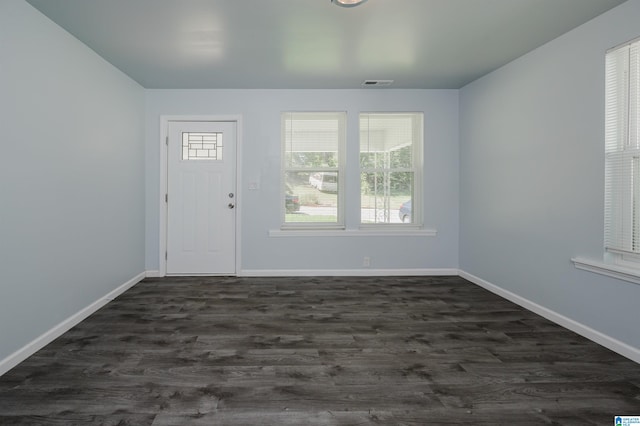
x=377 y=83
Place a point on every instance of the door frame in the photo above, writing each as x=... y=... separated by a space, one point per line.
x=164 y=179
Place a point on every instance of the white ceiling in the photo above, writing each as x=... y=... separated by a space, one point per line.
x=312 y=44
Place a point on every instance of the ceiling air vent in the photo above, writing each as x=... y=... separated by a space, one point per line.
x=377 y=83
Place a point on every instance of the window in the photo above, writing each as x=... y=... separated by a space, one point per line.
x=201 y=146
x=390 y=168
x=313 y=155
x=622 y=152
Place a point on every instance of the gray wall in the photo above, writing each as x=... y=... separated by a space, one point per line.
x=532 y=177
x=261 y=111
x=71 y=176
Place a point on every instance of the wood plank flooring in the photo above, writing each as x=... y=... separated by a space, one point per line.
x=318 y=351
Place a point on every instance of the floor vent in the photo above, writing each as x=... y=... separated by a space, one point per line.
x=378 y=83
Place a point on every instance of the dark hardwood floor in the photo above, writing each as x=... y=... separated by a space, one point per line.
x=318 y=351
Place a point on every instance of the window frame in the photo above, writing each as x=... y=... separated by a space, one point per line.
x=340 y=169
x=417 y=168
x=622 y=155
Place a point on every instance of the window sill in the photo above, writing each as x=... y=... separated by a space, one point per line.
x=412 y=232
x=607 y=269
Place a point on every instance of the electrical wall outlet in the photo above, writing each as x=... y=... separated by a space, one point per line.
x=366 y=262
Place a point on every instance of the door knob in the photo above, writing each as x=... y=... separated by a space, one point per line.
x=231 y=205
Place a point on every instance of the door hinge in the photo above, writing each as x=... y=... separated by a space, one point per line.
x=166 y=140
x=166 y=255
x=166 y=198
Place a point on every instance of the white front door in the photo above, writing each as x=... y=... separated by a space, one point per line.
x=201 y=214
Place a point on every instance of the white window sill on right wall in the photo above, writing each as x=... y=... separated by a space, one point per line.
x=608 y=269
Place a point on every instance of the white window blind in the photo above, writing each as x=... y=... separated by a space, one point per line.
x=622 y=149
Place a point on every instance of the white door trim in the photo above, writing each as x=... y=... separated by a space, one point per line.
x=162 y=232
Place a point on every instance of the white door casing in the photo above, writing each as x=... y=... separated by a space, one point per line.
x=201 y=198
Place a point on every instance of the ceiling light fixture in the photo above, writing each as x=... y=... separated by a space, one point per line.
x=347 y=3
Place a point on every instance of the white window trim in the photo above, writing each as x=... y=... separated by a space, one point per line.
x=418 y=173
x=621 y=259
x=279 y=233
x=320 y=226
x=625 y=273
x=621 y=155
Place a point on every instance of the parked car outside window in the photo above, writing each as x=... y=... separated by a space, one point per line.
x=291 y=201
x=324 y=181
x=404 y=212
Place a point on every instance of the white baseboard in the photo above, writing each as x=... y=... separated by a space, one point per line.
x=344 y=272
x=615 y=345
x=44 y=339
x=333 y=272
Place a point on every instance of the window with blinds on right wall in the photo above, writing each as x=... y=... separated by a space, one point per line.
x=622 y=154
